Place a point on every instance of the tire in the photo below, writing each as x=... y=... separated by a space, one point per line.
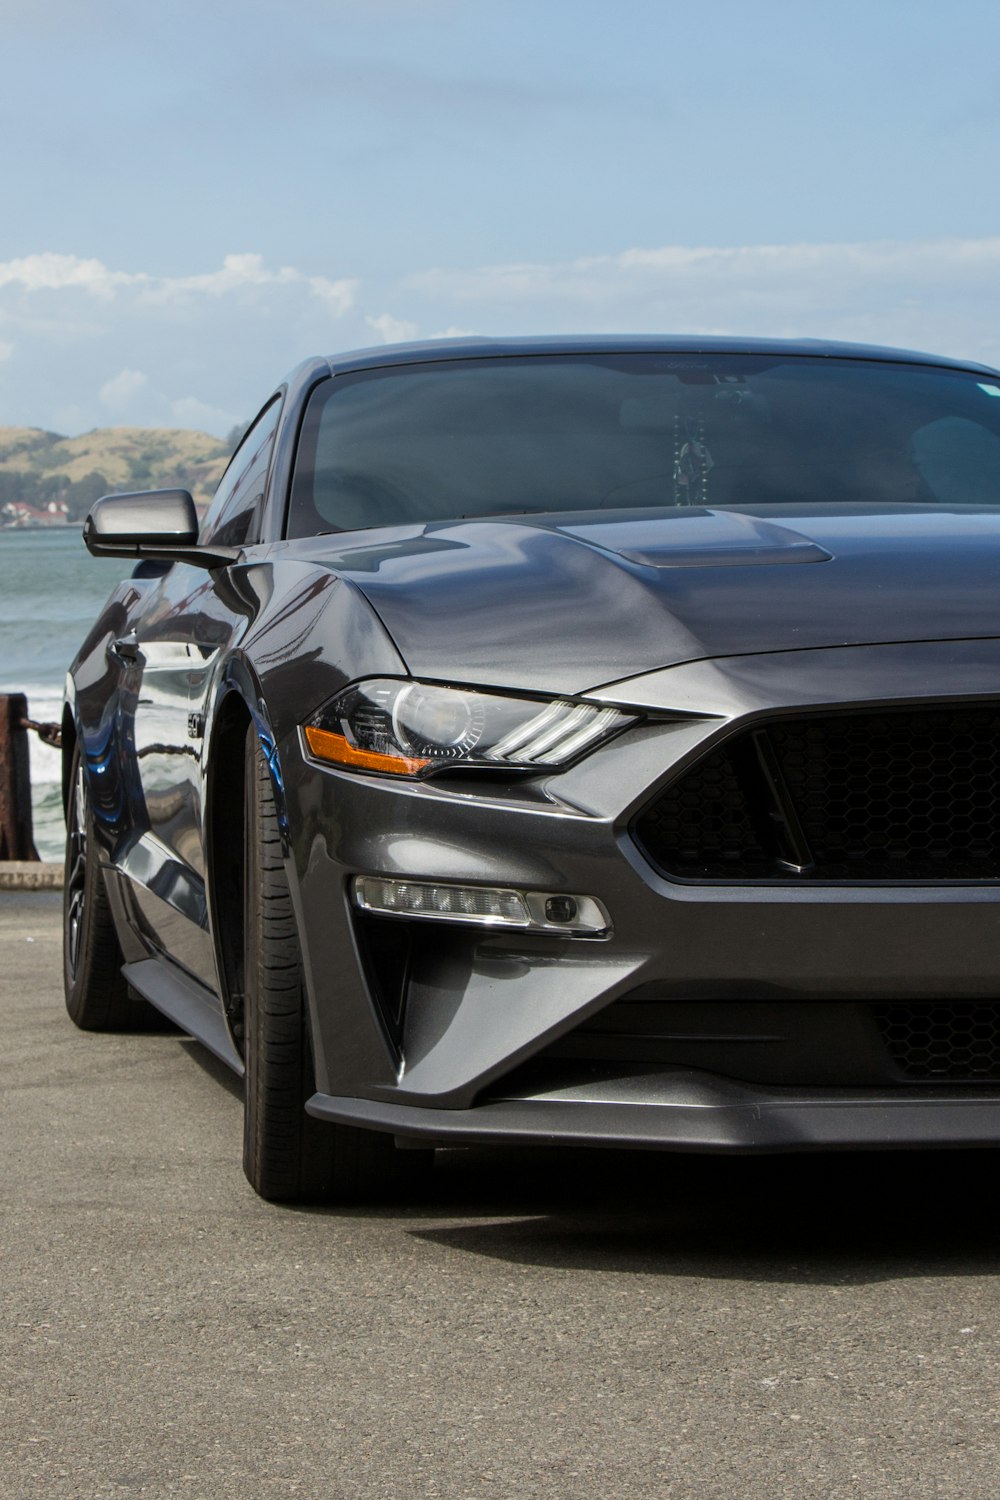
x=97 y=997
x=287 y=1155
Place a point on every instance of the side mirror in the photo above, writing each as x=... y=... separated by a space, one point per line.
x=153 y=523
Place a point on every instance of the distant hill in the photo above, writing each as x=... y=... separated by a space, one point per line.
x=40 y=468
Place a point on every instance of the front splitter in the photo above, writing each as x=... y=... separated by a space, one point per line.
x=709 y=1114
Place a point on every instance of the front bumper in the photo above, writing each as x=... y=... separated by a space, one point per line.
x=476 y=1008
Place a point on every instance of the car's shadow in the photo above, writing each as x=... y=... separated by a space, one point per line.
x=838 y=1219
x=213 y=1067
x=833 y=1220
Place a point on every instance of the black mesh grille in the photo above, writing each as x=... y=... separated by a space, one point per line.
x=954 y=1041
x=852 y=796
x=706 y=820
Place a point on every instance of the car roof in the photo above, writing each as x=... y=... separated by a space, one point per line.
x=432 y=350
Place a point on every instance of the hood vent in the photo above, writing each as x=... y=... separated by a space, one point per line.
x=701 y=539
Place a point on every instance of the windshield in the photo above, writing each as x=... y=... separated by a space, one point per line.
x=556 y=433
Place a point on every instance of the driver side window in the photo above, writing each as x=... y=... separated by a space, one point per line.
x=234 y=516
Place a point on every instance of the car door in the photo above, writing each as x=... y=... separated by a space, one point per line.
x=182 y=636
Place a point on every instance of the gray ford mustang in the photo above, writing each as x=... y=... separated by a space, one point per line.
x=584 y=741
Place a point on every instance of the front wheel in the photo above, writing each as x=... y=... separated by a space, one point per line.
x=287 y=1155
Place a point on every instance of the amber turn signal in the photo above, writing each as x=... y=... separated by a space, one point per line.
x=334 y=747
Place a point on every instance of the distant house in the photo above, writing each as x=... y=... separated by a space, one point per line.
x=16 y=515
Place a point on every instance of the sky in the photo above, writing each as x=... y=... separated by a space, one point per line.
x=194 y=197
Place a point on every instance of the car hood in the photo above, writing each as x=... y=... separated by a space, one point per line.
x=571 y=602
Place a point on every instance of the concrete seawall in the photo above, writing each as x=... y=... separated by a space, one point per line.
x=30 y=875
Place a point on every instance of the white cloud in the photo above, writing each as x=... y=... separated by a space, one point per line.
x=236 y=273
x=392 y=330
x=188 y=411
x=454 y=332
x=118 y=393
x=216 y=341
x=337 y=295
x=50 y=272
x=595 y=279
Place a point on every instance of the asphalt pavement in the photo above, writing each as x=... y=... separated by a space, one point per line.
x=580 y=1325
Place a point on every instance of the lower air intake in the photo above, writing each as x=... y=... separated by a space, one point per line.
x=951 y=1041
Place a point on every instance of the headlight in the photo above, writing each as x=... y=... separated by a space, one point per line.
x=414 y=728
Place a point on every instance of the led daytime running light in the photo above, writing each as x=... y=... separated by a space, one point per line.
x=560 y=731
x=460 y=903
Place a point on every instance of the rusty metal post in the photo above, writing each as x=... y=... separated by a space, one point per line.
x=16 y=834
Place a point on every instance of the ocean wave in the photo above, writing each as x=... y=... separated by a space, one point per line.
x=46 y=764
x=48 y=821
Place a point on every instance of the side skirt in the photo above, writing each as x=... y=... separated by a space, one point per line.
x=187 y=1003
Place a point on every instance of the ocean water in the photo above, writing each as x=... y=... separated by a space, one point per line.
x=51 y=589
